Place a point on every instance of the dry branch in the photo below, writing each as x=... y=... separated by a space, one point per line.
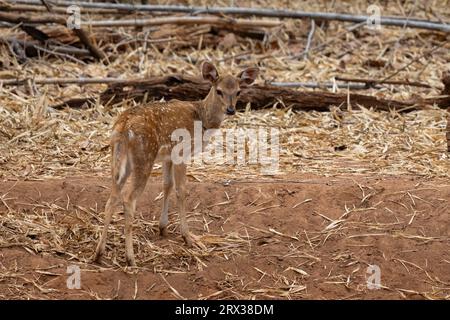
x=91 y=46
x=85 y=81
x=16 y=18
x=321 y=85
x=243 y=23
x=230 y=22
x=391 y=21
x=81 y=33
x=260 y=96
x=47 y=6
x=32 y=49
x=61 y=81
x=372 y=82
x=33 y=8
x=244 y=28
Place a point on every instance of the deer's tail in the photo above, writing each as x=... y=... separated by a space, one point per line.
x=120 y=160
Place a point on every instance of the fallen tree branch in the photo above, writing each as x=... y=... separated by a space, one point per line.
x=243 y=23
x=85 y=81
x=62 y=81
x=47 y=6
x=192 y=88
x=32 y=48
x=230 y=22
x=319 y=85
x=263 y=12
x=15 y=18
x=85 y=39
x=260 y=96
x=372 y=82
x=62 y=10
x=81 y=33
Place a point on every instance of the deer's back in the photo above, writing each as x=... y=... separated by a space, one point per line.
x=148 y=128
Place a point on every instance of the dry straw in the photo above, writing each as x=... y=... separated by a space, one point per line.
x=37 y=142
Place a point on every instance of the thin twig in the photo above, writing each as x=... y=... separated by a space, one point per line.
x=310 y=37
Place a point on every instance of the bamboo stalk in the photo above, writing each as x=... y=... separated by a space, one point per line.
x=245 y=23
x=85 y=81
x=315 y=85
x=62 y=81
x=371 y=82
x=61 y=10
x=262 y=12
x=183 y=21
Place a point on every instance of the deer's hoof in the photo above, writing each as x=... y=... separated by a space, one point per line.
x=97 y=258
x=131 y=262
x=163 y=231
x=188 y=240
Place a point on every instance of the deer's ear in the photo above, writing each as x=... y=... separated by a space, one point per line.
x=209 y=72
x=248 y=75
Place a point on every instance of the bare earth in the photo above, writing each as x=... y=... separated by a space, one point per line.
x=296 y=237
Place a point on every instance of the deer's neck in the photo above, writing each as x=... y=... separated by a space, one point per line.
x=210 y=111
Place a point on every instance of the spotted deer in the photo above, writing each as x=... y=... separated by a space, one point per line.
x=141 y=136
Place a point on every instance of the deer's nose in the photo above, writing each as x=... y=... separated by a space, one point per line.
x=230 y=111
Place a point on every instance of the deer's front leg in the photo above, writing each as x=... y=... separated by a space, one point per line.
x=180 y=182
x=167 y=186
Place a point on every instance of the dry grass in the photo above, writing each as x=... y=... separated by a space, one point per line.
x=67 y=231
x=37 y=142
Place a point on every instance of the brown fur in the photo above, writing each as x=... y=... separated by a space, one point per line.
x=142 y=135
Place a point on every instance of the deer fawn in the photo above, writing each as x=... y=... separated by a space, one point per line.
x=142 y=135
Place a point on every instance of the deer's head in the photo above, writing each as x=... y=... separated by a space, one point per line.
x=225 y=90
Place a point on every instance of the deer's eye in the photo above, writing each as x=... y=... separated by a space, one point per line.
x=220 y=93
x=238 y=93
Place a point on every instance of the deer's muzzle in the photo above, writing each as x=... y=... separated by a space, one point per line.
x=230 y=111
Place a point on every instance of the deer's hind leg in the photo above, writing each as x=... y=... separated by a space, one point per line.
x=112 y=203
x=167 y=188
x=120 y=172
x=141 y=169
x=179 y=173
